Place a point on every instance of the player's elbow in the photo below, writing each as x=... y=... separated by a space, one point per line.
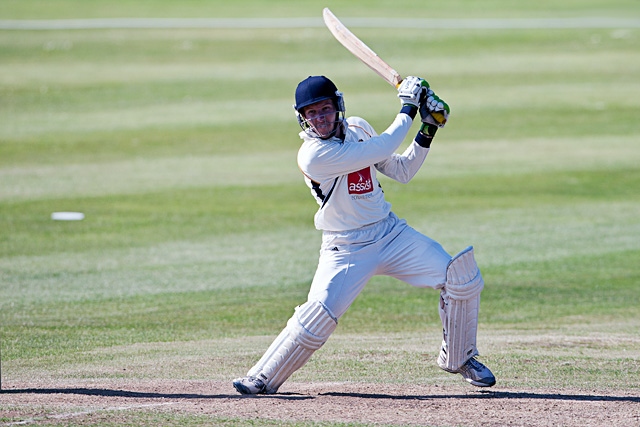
x=404 y=176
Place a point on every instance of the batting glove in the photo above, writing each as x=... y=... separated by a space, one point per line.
x=434 y=111
x=412 y=91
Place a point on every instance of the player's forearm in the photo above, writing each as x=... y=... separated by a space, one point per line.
x=403 y=167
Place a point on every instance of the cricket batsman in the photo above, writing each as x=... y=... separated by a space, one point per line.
x=361 y=236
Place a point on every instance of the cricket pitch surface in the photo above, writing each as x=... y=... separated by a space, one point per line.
x=94 y=402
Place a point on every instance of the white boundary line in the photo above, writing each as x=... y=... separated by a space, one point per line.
x=81 y=413
x=274 y=23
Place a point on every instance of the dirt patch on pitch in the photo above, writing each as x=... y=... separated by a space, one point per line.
x=82 y=403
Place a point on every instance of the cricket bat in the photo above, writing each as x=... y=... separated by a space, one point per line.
x=361 y=51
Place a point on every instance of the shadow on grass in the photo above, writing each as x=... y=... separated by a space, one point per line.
x=484 y=394
x=146 y=395
x=488 y=394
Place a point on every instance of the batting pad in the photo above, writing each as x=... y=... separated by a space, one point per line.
x=459 y=305
x=306 y=331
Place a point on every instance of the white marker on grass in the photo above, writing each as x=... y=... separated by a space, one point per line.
x=67 y=216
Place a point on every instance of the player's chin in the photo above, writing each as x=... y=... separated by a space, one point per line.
x=325 y=131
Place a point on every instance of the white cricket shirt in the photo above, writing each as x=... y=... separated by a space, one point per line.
x=342 y=175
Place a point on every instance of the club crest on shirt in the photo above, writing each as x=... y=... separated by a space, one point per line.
x=360 y=182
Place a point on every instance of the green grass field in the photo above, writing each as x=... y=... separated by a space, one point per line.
x=179 y=147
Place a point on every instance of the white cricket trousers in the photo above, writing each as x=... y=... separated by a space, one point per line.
x=390 y=247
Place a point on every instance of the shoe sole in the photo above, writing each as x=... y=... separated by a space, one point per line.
x=241 y=388
x=469 y=380
x=479 y=384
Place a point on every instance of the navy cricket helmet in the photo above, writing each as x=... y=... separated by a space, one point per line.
x=317 y=88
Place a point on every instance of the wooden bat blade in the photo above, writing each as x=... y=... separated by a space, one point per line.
x=360 y=50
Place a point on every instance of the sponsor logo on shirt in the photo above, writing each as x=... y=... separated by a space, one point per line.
x=360 y=182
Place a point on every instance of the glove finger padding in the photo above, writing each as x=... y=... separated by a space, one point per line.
x=413 y=91
x=434 y=110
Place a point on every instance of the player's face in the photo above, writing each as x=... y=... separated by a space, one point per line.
x=322 y=115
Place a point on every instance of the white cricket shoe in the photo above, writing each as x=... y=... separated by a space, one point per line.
x=250 y=385
x=476 y=373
